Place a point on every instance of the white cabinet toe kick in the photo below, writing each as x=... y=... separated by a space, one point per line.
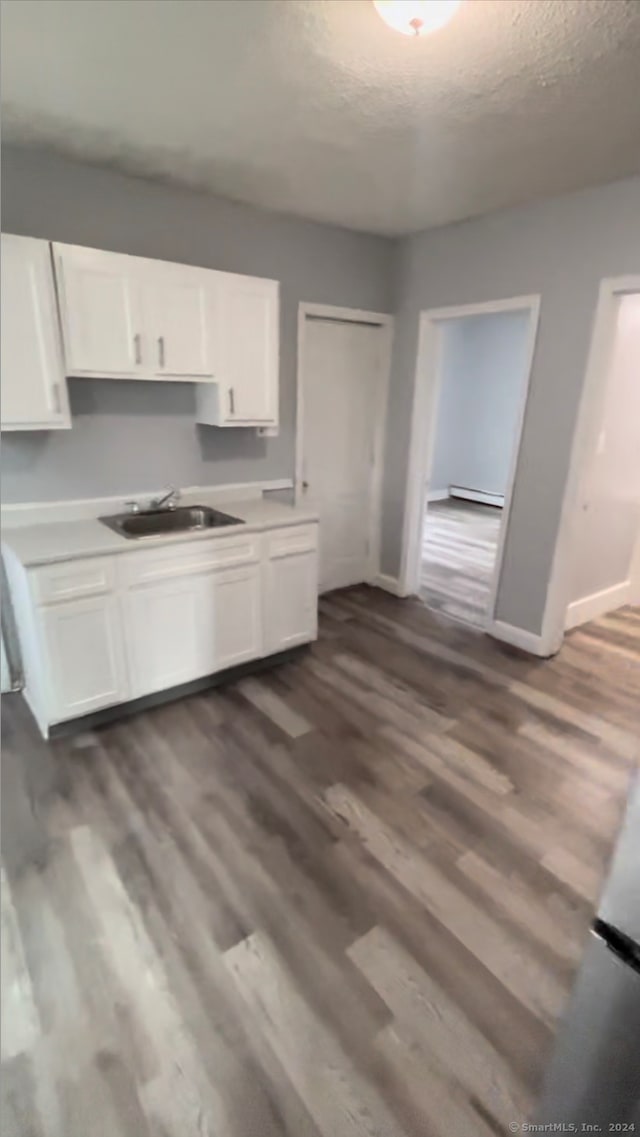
x=97 y=632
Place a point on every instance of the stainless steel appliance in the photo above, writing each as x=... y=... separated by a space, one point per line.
x=593 y=1082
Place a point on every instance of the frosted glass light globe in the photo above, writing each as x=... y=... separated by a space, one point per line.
x=416 y=17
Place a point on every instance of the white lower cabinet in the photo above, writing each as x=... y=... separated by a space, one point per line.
x=84 y=656
x=291 y=587
x=181 y=629
x=162 y=633
x=97 y=631
x=232 y=618
x=291 y=600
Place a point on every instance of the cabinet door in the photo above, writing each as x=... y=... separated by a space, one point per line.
x=101 y=312
x=249 y=384
x=163 y=634
x=291 y=600
x=181 y=307
x=34 y=390
x=232 y=617
x=84 y=656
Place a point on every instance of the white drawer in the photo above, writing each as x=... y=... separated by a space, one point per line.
x=69 y=580
x=181 y=560
x=295 y=539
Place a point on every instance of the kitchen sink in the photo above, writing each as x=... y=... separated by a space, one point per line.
x=155 y=522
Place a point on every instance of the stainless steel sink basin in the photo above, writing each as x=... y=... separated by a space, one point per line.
x=155 y=522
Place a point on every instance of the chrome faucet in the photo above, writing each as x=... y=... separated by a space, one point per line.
x=168 y=501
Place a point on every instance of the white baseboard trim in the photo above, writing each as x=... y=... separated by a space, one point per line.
x=34 y=512
x=590 y=607
x=476 y=495
x=517 y=637
x=388 y=583
x=438 y=495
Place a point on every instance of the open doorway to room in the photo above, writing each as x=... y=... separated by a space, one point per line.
x=604 y=569
x=471 y=387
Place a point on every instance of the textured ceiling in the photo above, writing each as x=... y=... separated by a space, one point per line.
x=315 y=107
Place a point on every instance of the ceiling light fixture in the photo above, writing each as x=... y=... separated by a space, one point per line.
x=416 y=17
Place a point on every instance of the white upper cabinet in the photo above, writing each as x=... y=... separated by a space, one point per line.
x=250 y=318
x=246 y=393
x=182 y=310
x=101 y=311
x=134 y=318
x=34 y=389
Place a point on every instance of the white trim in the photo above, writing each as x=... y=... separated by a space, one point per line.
x=29 y=513
x=590 y=607
x=40 y=720
x=476 y=495
x=385 y=322
x=422 y=445
x=518 y=637
x=438 y=495
x=387 y=583
x=593 y=394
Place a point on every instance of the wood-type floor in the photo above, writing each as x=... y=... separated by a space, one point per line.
x=344 y=899
x=459 y=547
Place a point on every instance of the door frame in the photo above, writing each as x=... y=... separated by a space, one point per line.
x=385 y=323
x=427 y=385
x=587 y=423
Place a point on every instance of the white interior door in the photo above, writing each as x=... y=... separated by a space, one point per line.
x=341 y=377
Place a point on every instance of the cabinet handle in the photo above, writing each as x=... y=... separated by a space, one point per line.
x=161 y=350
x=232 y=402
x=137 y=347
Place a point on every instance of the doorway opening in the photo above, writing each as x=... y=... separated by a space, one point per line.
x=472 y=379
x=343 y=371
x=605 y=543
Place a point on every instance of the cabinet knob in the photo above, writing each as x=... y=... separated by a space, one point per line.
x=305 y=485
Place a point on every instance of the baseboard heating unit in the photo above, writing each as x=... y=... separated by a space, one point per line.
x=468 y=494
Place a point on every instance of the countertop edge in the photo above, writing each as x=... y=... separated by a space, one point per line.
x=13 y=538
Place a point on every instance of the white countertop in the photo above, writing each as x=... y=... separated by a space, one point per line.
x=66 y=540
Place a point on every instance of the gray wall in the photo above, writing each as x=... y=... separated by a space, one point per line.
x=559 y=248
x=133 y=436
x=483 y=374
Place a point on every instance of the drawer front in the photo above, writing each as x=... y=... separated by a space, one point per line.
x=70 y=580
x=295 y=539
x=198 y=556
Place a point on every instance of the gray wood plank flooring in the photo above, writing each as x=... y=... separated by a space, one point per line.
x=345 y=898
x=459 y=547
